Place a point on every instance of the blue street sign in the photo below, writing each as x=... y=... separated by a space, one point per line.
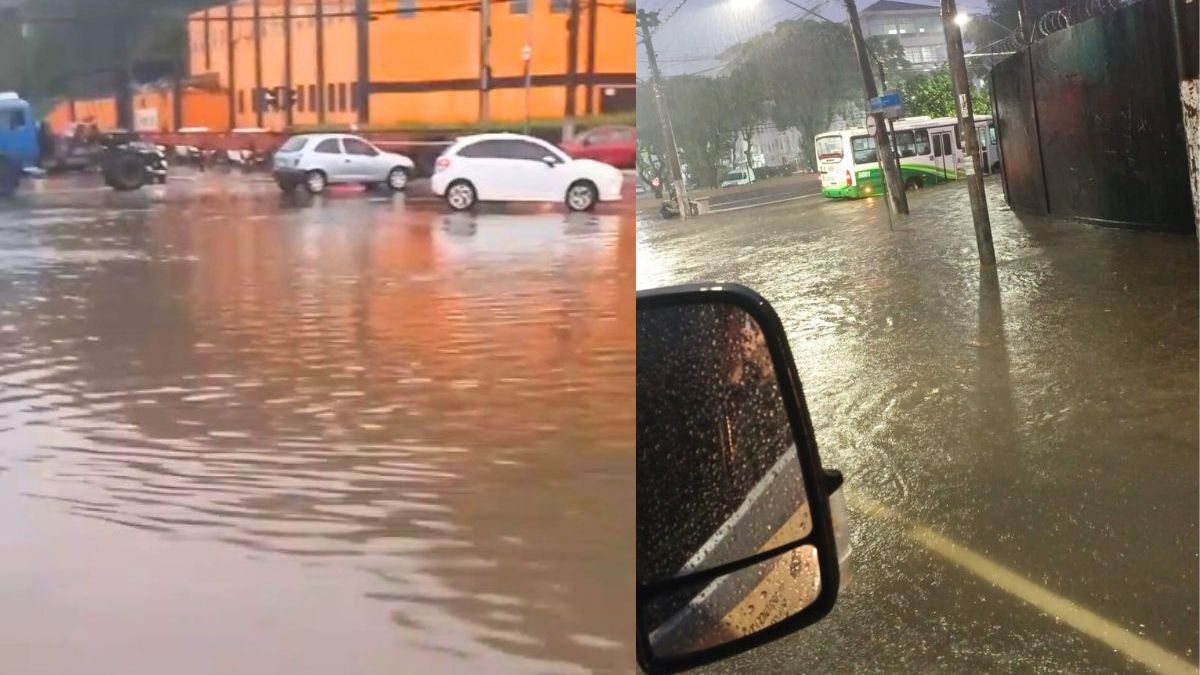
x=889 y=104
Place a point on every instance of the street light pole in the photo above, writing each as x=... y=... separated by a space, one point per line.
x=883 y=151
x=568 y=129
x=647 y=21
x=966 y=124
x=485 y=68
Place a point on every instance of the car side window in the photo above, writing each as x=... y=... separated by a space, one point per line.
x=355 y=146
x=329 y=146
x=530 y=151
x=483 y=149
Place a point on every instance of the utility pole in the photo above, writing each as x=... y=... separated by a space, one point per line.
x=1024 y=23
x=966 y=124
x=485 y=68
x=647 y=21
x=287 y=61
x=319 y=13
x=258 y=99
x=887 y=162
x=891 y=122
x=568 y=130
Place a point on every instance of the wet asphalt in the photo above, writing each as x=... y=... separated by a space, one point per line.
x=244 y=432
x=1043 y=416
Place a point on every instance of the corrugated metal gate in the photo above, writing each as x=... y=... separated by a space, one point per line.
x=1090 y=121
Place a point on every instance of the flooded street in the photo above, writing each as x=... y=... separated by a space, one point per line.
x=1019 y=447
x=247 y=433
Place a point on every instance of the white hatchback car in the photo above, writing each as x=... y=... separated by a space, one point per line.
x=516 y=168
x=318 y=160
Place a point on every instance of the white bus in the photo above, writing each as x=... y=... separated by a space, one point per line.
x=930 y=149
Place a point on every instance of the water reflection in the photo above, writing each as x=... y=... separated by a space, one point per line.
x=439 y=405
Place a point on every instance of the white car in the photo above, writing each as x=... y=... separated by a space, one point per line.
x=742 y=176
x=516 y=168
x=318 y=160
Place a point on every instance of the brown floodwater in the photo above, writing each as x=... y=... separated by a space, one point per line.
x=244 y=434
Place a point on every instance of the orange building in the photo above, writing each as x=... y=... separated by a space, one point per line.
x=398 y=62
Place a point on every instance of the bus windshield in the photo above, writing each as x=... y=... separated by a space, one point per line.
x=863 y=148
x=829 y=147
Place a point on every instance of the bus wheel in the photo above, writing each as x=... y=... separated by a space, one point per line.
x=9 y=177
x=913 y=183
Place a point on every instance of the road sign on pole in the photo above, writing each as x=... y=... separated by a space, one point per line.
x=889 y=104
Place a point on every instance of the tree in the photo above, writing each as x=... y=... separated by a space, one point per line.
x=745 y=92
x=651 y=150
x=933 y=95
x=702 y=116
x=808 y=73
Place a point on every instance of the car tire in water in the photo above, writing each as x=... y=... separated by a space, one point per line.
x=315 y=182
x=582 y=196
x=461 y=195
x=913 y=183
x=124 y=171
x=397 y=179
x=10 y=176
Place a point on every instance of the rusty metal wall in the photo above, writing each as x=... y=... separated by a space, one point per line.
x=1106 y=122
x=1016 y=127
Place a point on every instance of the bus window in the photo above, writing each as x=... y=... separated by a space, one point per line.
x=829 y=147
x=937 y=147
x=904 y=144
x=981 y=135
x=992 y=133
x=922 y=141
x=957 y=140
x=863 y=148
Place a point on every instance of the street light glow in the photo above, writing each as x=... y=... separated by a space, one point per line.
x=962 y=19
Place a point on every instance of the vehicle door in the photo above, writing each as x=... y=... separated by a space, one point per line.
x=535 y=178
x=981 y=138
x=489 y=166
x=327 y=156
x=943 y=154
x=365 y=163
x=597 y=145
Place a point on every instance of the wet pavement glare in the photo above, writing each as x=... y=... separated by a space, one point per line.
x=241 y=432
x=1044 y=416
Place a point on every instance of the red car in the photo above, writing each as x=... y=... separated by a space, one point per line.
x=615 y=145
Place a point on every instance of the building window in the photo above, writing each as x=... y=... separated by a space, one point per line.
x=331 y=98
x=407 y=9
x=299 y=100
x=518 y=6
x=312 y=97
x=241 y=100
x=341 y=97
x=560 y=6
x=353 y=97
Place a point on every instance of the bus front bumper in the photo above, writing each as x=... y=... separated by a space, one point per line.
x=850 y=192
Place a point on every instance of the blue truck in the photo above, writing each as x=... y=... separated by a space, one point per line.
x=19 y=148
x=126 y=162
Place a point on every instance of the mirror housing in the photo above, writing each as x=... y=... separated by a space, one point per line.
x=779 y=545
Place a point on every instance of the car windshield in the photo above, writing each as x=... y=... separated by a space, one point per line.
x=294 y=144
x=735 y=175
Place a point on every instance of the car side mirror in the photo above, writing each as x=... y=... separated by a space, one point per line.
x=736 y=536
x=550 y=161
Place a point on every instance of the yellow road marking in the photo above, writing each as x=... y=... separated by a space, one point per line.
x=1081 y=619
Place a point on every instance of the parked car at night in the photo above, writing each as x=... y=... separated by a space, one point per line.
x=516 y=168
x=615 y=145
x=316 y=161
